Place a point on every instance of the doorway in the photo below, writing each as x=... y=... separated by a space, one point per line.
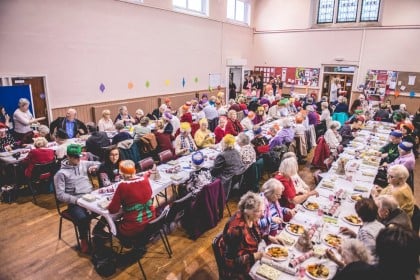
x=343 y=76
x=235 y=81
x=39 y=96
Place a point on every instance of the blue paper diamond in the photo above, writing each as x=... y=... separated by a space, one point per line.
x=102 y=87
x=183 y=82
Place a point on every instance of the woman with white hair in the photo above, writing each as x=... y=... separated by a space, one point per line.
x=23 y=119
x=398 y=188
x=390 y=214
x=313 y=117
x=124 y=117
x=291 y=196
x=271 y=222
x=325 y=114
x=248 y=155
x=332 y=136
x=41 y=154
x=355 y=260
x=105 y=123
x=139 y=115
x=284 y=136
x=184 y=142
x=203 y=137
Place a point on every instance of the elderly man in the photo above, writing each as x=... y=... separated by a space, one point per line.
x=70 y=124
x=390 y=150
x=71 y=183
x=96 y=141
x=390 y=214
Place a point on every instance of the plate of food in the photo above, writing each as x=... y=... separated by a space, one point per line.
x=268 y=272
x=328 y=184
x=353 y=220
x=332 y=240
x=277 y=252
x=295 y=229
x=286 y=239
x=360 y=189
x=172 y=162
x=311 y=206
x=356 y=197
x=317 y=271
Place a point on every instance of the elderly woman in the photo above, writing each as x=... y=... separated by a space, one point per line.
x=139 y=115
x=105 y=123
x=164 y=139
x=233 y=126
x=325 y=114
x=7 y=142
x=228 y=163
x=398 y=188
x=313 y=116
x=108 y=171
x=142 y=128
x=367 y=210
x=134 y=194
x=41 y=154
x=220 y=130
x=285 y=136
x=390 y=214
x=355 y=260
x=260 y=116
x=124 y=117
x=203 y=136
x=184 y=142
x=121 y=135
x=291 y=195
x=241 y=236
x=247 y=152
x=271 y=222
x=260 y=142
x=44 y=131
x=332 y=136
x=406 y=157
x=247 y=123
x=23 y=119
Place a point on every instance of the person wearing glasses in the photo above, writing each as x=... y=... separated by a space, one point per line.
x=398 y=188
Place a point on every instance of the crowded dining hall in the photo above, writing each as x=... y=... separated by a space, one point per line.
x=199 y=139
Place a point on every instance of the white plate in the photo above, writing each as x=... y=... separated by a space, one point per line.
x=330 y=245
x=306 y=207
x=277 y=246
x=353 y=224
x=351 y=198
x=318 y=278
x=291 y=232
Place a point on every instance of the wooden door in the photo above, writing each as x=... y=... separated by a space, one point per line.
x=38 y=95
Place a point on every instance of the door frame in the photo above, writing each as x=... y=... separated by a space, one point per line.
x=323 y=73
x=6 y=80
x=238 y=87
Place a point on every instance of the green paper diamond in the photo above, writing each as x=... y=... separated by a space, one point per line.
x=147 y=84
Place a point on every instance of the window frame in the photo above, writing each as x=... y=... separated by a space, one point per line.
x=317 y=14
x=204 y=8
x=247 y=13
x=338 y=12
x=377 y=15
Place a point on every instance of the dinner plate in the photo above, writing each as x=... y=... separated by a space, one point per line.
x=289 y=230
x=311 y=206
x=355 y=197
x=308 y=267
x=275 y=249
x=332 y=240
x=350 y=222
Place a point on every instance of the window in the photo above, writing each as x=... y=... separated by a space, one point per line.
x=193 y=6
x=239 y=10
x=348 y=11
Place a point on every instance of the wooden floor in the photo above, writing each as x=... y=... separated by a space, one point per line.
x=30 y=248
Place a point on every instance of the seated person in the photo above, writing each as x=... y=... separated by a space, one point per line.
x=106 y=123
x=184 y=142
x=121 y=135
x=139 y=115
x=367 y=210
x=70 y=124
x=39 y=155
x=260 y=142
x=71 y=183
x=233 y=125
x=142 y=128
x=398 y=188
x=63 y=141
x=134 y=194
x=164 y=139
x=382 y=114
x=355 y=260
x=96 y=141
x=341 y=106
x=108 y=173
x=285 y=136
x=44 y=131
x=271 y=222
x=124 y=117
x=348 y=131
x=220 y=130
x=228 y=163
x=247 y=123
x=332 y=136
x=313 y=117
x=390 y=214
x=158 y=112
x=406 y=157
x=247 y=152
x=390 y=150
x=241 y=236
x=203 y=136
x=7 y=142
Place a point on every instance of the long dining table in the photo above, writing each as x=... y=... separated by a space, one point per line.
x=323 y=216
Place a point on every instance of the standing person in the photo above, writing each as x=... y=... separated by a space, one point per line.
x=134 y=195
x=71 y=183
x=335 y=87
x=23 y=119
x=70 y=124
x=232 y=90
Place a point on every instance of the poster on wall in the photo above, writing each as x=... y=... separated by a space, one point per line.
x=381 y=82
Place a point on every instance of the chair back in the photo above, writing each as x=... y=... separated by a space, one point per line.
x=410 y=180
x=154 y=226
x=415 y=220
x=177 y=209
x=57 y=202
x=146 y=164
x=129 y=151
x=44 y=171
x=165 y=156
x=217 y=246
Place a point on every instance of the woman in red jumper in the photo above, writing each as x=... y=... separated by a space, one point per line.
x=134 y=194
x=233 y=125
x=38 y=155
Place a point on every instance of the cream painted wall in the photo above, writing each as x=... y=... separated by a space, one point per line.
x=283 y=38
x=79 y=44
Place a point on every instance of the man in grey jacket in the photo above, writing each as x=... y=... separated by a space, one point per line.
x=71 y=183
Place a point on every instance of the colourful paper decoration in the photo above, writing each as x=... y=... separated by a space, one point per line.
x=183 y=82
x=147 y=84
x=196 y=79
x=210 y=89
x=412 y=94
x=397 y=93
x=167 y=82
x=102 y=87
x=130 y=85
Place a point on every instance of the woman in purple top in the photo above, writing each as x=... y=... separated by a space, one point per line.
x=284 y=136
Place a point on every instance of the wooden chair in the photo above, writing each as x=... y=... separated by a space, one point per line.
x=165 y=156
x=42 y=174
x=146 y=164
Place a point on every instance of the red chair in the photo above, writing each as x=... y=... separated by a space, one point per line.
x=146 y=164
x=165 y=156
x=42 y=174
